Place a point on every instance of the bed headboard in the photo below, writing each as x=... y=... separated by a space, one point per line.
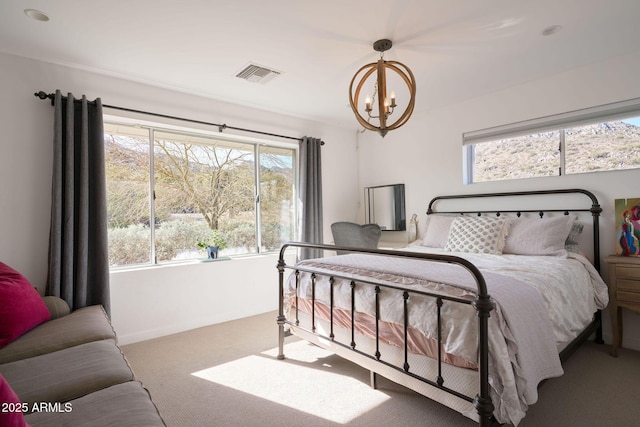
x=564 y=203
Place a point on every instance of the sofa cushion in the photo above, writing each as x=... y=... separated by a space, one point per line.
x=56 y=306
x=11 y=410
x=122 y=405
x=81 y=326
x=68 y=374
x=21 y=307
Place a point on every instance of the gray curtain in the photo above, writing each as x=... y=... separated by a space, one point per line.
x=310 y=195
x=78 y=251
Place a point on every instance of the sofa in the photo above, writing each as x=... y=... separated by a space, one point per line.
x=62 y=368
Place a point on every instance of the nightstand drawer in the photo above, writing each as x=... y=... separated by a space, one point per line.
x=628 y=285
x=623 y=271
x=624 y=292
x=628 y=296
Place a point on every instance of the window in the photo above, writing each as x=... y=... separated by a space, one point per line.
x=603 y=146
x=599 y=139
x=526 y=156
x=242 y=188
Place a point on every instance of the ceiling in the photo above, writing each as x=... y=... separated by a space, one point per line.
x=457 y=49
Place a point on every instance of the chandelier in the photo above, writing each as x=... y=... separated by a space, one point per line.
x=379 y=107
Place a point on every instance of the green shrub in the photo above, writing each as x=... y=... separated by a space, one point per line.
x=174 y=237
x=129 y=245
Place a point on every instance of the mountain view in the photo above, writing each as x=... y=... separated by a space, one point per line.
x=600 y=147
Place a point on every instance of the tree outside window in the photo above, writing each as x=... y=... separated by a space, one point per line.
x=201 y=183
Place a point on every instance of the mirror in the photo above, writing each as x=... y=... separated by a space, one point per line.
x=384 y=205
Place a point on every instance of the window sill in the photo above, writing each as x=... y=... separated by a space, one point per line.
x=221 y=258
x=197 y=261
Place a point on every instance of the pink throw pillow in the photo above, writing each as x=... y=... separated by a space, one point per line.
x=21 y=307
x=11 y=413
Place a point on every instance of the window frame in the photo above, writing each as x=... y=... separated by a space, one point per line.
x=558 y=122
x=152 y=127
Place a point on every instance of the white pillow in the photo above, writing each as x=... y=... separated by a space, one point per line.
x=437 y=231
x=485 y=235
x=539 y=236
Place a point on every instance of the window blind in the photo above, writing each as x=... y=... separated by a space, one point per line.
x=608 y=112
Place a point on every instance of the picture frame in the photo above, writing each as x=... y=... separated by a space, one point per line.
x=627 y=226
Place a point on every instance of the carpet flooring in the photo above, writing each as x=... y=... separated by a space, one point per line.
x=227 y=375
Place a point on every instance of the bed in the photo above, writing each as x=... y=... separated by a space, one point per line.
x=475 y=314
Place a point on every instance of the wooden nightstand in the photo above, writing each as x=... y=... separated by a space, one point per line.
x=624 y=291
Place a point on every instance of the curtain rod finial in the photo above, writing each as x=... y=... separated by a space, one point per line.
x=43 y=95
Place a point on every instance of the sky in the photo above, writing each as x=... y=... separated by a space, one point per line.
x=633 y=121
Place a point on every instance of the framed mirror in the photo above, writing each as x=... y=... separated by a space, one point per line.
x=384 y=205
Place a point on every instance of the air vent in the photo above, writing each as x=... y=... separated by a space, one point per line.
x=257 y=74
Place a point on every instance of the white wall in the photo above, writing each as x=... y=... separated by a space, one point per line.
x=154 y=301
x=426 y=153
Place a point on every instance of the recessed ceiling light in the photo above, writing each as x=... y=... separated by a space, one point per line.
x=551 y=30
x=36 y=14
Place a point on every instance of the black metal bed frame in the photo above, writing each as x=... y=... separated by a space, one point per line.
x=482 y=303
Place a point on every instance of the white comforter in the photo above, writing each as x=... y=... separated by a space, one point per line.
x=571 y=287
x=562 y=295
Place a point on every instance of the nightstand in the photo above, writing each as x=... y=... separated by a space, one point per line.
x=624 y=292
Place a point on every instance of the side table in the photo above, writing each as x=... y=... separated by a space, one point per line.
x=624 y=292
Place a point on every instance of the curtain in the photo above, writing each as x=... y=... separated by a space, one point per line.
x=78 y=251
x=310 y=195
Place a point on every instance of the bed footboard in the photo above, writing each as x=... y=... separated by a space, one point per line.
x=482 y=304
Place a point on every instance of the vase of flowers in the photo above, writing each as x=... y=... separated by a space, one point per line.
x=213 y=242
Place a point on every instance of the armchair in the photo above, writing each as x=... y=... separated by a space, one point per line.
x=354 y=235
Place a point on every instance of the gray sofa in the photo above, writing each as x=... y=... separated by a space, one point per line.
x=69 y=371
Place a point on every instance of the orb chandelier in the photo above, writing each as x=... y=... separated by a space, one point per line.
x=379 y=107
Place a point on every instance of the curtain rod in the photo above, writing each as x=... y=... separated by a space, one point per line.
x=51 y=96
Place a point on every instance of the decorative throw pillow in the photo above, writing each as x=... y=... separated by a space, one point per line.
x=11 y=411
x=571 y=244
x=437 y=231
x=539 y=236
x=21 y=307
x=485 y=235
